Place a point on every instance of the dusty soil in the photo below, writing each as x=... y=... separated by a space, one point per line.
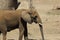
x=50 y=19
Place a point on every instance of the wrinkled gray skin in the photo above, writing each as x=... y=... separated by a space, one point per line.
x=11 y=18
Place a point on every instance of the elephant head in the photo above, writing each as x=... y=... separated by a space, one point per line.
x=33 y=16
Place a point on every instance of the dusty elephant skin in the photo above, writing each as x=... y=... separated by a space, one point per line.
x=10 y=18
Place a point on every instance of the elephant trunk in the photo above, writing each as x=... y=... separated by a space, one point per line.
x=39 y=19
x=41 y=29
x=40 y=26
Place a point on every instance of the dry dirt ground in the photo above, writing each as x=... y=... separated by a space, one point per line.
x=50 y=19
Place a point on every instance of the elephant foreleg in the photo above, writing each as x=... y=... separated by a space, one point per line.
x=21 y=30
x=25 y=29
x=25 y=32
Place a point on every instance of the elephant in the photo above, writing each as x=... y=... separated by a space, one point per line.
x=19 y=18
x=34 y=17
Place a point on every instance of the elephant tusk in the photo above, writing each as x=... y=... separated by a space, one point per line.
x=40 y=23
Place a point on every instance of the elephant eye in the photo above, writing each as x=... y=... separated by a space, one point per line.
x=35 y=16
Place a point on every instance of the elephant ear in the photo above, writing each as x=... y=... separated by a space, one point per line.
x=26 y=17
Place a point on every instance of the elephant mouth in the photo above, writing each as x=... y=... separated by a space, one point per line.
x=33 y=19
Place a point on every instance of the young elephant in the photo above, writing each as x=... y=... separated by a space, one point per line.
x=11 y=18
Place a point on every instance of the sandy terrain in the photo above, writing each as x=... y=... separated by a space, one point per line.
x=50 y=19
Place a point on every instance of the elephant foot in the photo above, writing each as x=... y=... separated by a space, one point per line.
x=26 y=38
x=11 y=39
x=31 y=39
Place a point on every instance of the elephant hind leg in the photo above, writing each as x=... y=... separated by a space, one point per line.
x=21 y=33
x=4 y=35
